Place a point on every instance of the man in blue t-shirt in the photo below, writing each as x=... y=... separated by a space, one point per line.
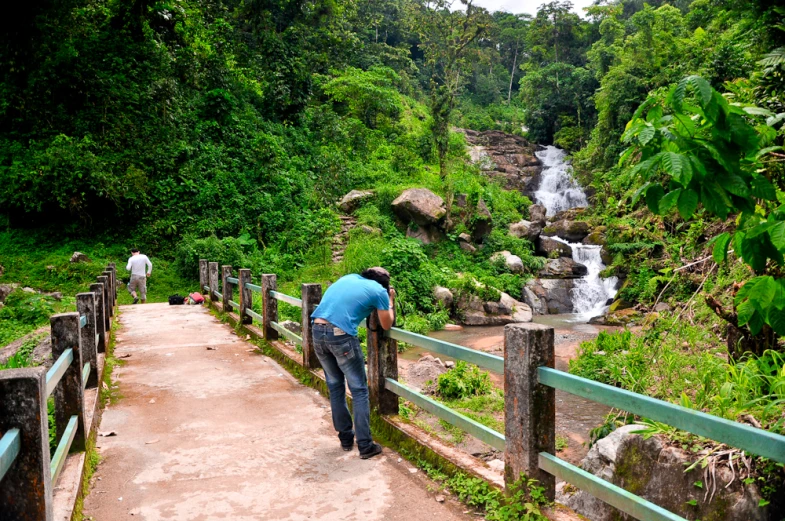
x=349 y=301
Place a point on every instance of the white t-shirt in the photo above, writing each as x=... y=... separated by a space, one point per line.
x=136 y=264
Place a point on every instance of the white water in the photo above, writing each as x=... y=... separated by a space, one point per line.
x=559 y=191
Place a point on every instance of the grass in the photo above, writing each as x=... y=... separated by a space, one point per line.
x=36 y=261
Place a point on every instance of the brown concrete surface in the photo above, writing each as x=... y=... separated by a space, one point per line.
x=225 y=433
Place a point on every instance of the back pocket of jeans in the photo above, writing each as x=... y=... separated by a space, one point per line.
x=343 y=350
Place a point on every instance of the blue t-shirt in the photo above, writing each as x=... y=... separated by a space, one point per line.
x=350 y=300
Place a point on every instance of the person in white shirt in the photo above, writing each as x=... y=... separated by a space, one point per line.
x=136 y=265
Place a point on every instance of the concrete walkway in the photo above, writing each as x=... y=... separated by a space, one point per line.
x=206 y=429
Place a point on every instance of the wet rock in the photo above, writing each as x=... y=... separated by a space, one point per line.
x=420 y=206
x=7 y=289
x=549 y=296
x=351 y=201
x=449 y=364
x=526 y=230
x=79 y=257
x=596 y=237
x=443 y=296
x=465 y=246
x=622 y=317
x=648 y=468
x=550 y=247
x=483 y=222
x=537 y=213
x=505 y=156
x=570 y=231
x=662 y=307
x=28 y=290
x=452 y=327
x=568 y=215
x=563 y=268
x=426 y=369
x=464 y=237
x=507 y=310
x=618 y=305
x=425 y=234
x=293 y=326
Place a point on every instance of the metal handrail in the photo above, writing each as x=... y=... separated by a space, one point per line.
x=253 y=287
x=476 y=429
x=288 y=334
x=10 y=445
x=232 y=280
x=294 y=301
x=58 y=460
x=756 y=441
x=82 y=321
x=491 y=362
x=58 y=369
x=85 y=374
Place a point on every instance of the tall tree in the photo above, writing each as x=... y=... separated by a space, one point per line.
x=445 y=37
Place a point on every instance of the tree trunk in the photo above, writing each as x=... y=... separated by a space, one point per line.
x=512 y=73
x=740 y=340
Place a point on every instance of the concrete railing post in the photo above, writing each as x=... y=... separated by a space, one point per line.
x=26 y=489
x=69 y=395
x=204 y=276
x=113 y=267
x=226 y=272
x=311 y=296
x=85 y=305
x=246 y=295
x=110 y=290
x=104 y=280
x=382 y=364
x=213 y=269
x=100 y=325
x=270 y=306
x=529 y=407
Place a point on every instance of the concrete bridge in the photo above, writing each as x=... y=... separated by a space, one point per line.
x=220 y=419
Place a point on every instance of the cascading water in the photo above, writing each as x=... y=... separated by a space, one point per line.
x=559 y=191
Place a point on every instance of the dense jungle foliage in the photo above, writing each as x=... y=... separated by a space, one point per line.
x=229 y=128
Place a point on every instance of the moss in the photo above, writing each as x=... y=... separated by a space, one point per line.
x=628 y=470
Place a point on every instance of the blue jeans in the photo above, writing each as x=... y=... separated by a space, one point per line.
x=342 y=360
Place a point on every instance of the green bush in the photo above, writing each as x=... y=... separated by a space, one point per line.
x=462 y=381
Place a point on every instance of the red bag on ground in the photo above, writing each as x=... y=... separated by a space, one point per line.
x=196 y=297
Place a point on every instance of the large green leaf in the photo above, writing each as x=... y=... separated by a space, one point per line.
x=702 y=87
x=776 y=320
x=668 y=201
x=777 y=236
x=744 y=310
x=734 y=184
x=653 y=196
x=762 y=188
x=688 y=203
x=646 y=135
x=720 y=250
x=713 y=201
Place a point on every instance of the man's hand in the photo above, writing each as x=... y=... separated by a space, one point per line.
x=148 y=274
x=392 y=293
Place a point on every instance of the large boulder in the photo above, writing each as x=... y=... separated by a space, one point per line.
x=475 y=312
x=537 y=213
x=549 y=296
x=526 y=230
x=79 y=257
x=570 y=231
x=506 y=157
x=563 y=268
x=7 y=289
x=596 y=237
x=420 y=206
x=351 y=201
x=655 y=471
x=443 y=296
x=550 y=247
x=512 y=262
x=568 y=215
x=425 y=234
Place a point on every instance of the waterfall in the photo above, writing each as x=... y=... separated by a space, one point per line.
x=560 y=191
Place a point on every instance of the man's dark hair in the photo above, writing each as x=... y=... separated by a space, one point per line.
x=377 y=275
x=134 y=250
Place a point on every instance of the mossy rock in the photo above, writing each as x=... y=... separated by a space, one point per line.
x=618 y=305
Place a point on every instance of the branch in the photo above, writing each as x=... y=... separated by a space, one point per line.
x=715 y=306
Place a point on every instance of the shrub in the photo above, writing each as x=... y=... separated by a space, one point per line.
x=463 y=381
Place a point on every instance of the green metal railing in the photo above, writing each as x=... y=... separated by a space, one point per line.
x=294 y=301
x=53 y=377
x=233 y=303
x=232 y=280
x=288 y=334
x=82 y=321
x=756 y=441
x=253 y=314
x=253 y=287
x=10 y=445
